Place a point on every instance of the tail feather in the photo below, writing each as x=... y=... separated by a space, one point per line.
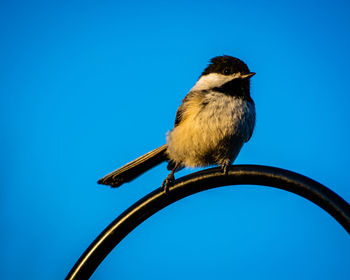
x=135 y=168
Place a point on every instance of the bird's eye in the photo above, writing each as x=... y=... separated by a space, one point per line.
x=227 y=71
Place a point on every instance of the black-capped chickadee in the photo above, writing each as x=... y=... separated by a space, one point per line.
x=213 y=122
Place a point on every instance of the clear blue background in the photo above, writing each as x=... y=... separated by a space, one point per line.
x=88 y=86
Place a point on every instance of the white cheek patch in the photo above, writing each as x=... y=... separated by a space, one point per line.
x=213 y=80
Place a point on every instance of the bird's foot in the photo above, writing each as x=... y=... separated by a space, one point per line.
x=225 y=167
x=168 y=182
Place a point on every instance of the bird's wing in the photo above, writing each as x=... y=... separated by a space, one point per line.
x=180 y=112
x=191 y=101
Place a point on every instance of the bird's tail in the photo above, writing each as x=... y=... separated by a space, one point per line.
x=135 y=168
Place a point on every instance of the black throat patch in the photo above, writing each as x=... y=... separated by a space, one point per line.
x=237 y=88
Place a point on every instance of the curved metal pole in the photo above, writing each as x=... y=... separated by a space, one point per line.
x=200 y=181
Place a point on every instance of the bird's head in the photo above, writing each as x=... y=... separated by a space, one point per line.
x=226 y=74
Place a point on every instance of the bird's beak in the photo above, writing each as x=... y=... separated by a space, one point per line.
x=247 y=76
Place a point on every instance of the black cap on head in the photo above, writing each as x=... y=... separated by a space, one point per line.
x=226 y=65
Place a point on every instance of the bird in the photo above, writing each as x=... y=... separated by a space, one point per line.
x=214 y=120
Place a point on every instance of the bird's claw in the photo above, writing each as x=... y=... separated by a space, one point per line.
x=225 y=168
x=168 y=182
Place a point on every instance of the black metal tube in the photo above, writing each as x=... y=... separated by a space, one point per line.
x=200 y=181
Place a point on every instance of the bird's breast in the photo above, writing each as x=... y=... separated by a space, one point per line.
x=216 y=123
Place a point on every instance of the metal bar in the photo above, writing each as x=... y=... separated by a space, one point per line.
x=200 y=181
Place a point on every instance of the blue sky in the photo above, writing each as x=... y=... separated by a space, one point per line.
x=88 y=86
